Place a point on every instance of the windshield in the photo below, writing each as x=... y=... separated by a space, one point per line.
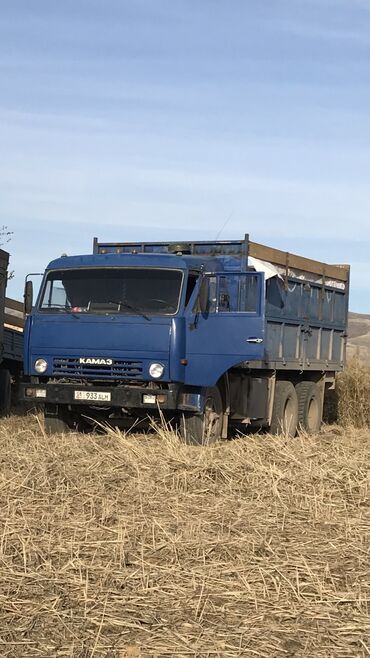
x=134 y=291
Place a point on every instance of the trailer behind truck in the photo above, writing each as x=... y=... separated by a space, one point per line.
x=11 y=340
x=209 y=334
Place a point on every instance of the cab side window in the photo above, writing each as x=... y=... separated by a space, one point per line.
x=225 y=296
x=233 y=293
x=248 y=294
x=192 y=279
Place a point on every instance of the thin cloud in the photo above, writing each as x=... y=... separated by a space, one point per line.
x=157 y=119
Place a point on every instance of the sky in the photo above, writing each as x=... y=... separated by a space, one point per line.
x=186 y=119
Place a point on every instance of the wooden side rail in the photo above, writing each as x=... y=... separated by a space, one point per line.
x=14 y=313
x=287 y=260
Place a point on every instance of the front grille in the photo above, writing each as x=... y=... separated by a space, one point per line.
x=120 y=369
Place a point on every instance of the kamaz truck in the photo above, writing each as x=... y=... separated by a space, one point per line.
x=208 y=335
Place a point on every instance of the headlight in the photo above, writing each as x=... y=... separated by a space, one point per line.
x=41 y=365
x=156 y=370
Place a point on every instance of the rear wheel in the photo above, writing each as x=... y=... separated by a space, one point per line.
x=204 y=428
x=57 y=421
x=5 y=392
x=330 y=412
x=310 y=407
x=285 y=410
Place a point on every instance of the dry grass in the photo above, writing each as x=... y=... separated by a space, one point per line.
x=354 y=395
x=119 y=547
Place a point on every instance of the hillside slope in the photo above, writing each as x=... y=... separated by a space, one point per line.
x=359 y=337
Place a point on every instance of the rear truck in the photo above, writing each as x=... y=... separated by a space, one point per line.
x=11 y=341
x=209 y=334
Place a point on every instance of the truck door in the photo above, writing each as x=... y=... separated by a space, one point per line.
x=230 y=331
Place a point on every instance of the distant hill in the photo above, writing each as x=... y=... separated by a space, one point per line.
x=359 y=337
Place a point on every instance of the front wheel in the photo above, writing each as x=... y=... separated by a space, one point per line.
x=5 y=392
x=204 y=428
x=57 y=421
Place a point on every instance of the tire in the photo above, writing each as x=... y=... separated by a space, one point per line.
x=5 y=393
x=330 y=412
x=204 y=428
x=56 y=424
x=310 y=407
x=285 y=410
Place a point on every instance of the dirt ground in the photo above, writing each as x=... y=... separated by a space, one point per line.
x=121 y=546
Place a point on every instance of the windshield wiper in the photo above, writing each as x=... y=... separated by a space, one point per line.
x=130 y=307
x=60 y=307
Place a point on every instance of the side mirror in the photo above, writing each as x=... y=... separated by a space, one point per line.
x=203 y=296
x=28 y=297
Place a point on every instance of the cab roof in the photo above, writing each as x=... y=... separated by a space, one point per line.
x=171 y=261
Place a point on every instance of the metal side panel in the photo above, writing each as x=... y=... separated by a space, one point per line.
x=13 y=345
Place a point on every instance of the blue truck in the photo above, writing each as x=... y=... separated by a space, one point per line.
x=208 y=334
x=11 y=341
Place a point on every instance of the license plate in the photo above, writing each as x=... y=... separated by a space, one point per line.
x=93 y=396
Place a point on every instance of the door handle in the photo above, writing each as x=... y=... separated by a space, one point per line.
x=254 y=340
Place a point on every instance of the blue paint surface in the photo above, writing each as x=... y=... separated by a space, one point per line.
x=291 y=325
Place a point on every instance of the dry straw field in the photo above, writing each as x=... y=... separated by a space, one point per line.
x=117 y=546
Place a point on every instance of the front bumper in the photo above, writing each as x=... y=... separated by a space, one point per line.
x=123 y=396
